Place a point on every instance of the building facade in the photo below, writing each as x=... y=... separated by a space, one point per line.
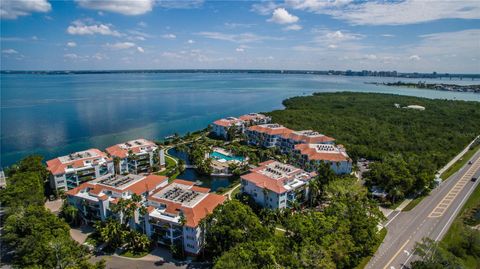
x=266 y=135
x=93 y=199
x=220 y=127
x=69 y=171
x=175 y=212
x=137 y=156
x=311 y=155
x=276 y=185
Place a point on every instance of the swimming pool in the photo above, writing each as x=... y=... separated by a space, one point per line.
x=218 y=156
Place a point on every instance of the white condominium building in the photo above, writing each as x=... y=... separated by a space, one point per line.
x=67 y=172
x=93 y=199
x=137 y=156
x=175 y=212
x=310 y=155
x=221 y=126
x=276 y=185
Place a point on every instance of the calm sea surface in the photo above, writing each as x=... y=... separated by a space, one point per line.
x=57 y=114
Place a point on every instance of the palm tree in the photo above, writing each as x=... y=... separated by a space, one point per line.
x=116 y=165
x=70 y=213
x=138 y=242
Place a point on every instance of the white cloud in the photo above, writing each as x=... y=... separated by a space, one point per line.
x=236 y=38
x=99 y=56
x=140 y=49
x=125 y=7
x=34 y=38
x=239 y=49
x=333 y=39
x=121 y=45
x=142 y=24
x=80 y=28
x=71 y=56
x=184 y=4
x=281 y=16
x=388 y=35
x=71 y=44
x=169 y=36
x=9 y=51
x=190 y=41
x=391 y=13
x=414 y=57
x=12 y=9
x=316 y=5
x=293 y=27
x=233 y=25
x=264 y=8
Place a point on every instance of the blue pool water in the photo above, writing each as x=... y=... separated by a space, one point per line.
x=218 y=155
x=54 y=115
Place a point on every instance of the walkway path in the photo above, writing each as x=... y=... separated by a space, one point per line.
x=456 y=158
x=229 y=193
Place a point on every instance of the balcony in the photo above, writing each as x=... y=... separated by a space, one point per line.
x=85 y=172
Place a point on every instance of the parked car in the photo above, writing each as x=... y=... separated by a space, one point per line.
x=474 y=179
x=470 y=162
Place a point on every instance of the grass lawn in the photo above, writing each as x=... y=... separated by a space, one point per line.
x=365 y=260
x=130 y=254
x=460 y=163
x=170 y=166
x=413 y=203
x=453 y=235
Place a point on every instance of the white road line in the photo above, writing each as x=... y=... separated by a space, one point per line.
x=396 y=254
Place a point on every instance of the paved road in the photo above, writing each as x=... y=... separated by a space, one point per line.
x=431 y=218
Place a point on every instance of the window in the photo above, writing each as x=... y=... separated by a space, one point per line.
x=60 y=182
x=190 y=246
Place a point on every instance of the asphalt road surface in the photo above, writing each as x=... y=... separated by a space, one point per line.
x=431 y=218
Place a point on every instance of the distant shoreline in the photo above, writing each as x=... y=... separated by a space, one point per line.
x=432 y=86
x=251 y=71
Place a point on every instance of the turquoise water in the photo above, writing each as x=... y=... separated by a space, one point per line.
x=218 y=155
x=54 y=115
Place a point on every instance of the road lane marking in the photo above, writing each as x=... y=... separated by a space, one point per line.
x=448 y=199
x=396 y=254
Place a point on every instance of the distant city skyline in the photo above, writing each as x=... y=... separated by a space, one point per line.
x=406 y=36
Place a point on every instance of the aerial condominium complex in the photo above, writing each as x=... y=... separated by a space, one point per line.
x=266 y=135
x=93 y=199
x=254 y=119
x=221 y=126
x=136 y=156
x=310 y=155
x=276 y=185
x=289 y=140
x=175 y=212
x=67 y=172
x=309 y=147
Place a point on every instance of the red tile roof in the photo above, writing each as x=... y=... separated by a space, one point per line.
x=57 y=167
x=265 y=182
x=253 y=116
x=314 y=139
x=313 y=154
x=271 y=131
x=195 y=214
x=149 y=183
x=121 y=152
x=226 y=122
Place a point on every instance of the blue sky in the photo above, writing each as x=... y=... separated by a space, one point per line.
x=410 y=35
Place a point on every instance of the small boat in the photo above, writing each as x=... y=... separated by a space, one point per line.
x=169 y=137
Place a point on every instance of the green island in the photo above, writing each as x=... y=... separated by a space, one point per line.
x=336 y=226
